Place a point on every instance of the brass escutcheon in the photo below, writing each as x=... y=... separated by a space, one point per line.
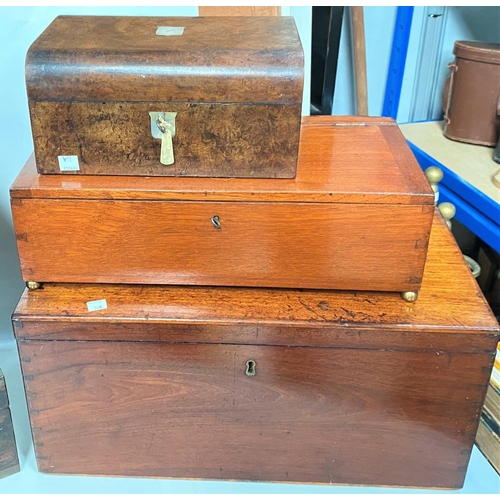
x=163 y=127
x=250 y=369
x=216 y=221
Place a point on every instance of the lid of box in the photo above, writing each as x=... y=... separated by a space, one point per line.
x=341 y=160
x=450 y=312
x=477 y=51
x=167 y=59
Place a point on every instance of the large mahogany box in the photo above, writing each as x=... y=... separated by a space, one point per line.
x=260 y=384
x=357 y=217
x=169 y=96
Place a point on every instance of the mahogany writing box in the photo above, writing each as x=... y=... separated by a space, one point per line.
x=357 y=217
x=260 y=384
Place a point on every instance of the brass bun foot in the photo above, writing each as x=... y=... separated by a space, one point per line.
x=33 y=285
x=409 y=296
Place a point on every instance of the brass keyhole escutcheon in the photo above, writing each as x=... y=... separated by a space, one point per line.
x=250 y=370
x=216 y=222
x=163 y=127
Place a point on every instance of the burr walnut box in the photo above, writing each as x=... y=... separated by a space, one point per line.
x=357 y=217
x=260 y=384
x=167 y=96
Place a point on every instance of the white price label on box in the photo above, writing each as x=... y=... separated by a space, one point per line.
x=97 y=305
x=68 y=163
x=170 y=30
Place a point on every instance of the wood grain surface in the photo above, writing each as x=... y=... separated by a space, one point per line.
x=121 y=59
x=211 y=140
x=9 y=461
x=358 y=416
x=359 y=49
x=291 y=245
x=235 y=82
x=260 y=10
x=341 y=159
x=450 y=303
x=357 y=388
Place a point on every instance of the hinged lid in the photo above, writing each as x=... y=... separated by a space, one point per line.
x=341 y=160
x=167 y=59
x=449 y=303
x=477 y=51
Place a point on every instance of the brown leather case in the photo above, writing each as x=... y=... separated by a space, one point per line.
x=234 y=83
x=357 y=217
x=356 y=388
x=471 y=96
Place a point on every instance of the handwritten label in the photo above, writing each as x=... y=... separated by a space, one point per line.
x=68 y=163
x=97 y=305
x=170 y=31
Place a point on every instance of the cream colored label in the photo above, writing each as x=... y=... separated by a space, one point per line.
x=71 y=185
x=68 y=163
x=170 y=31
x=97 y=305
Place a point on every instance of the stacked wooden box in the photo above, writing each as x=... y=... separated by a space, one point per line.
x=9 y=460
x=229 y=327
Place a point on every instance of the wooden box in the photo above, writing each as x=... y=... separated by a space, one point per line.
x=357 y=217
x=260 y=384
x=228 y=89
x=9 y=460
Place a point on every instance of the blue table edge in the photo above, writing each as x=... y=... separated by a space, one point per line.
x=475 y=210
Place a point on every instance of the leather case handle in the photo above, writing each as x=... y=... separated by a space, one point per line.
x=447 y=91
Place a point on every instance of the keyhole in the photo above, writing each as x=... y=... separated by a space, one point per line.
x=250 y=371
x=216 y=221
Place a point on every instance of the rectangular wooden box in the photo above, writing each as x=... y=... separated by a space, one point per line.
x=357 y=217
x=235 y=84
x=9 y=460
x=358 y=388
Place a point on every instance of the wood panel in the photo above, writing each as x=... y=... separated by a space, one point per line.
x=341 y=159
x=450 y=313
x=329 y=246
x=211 y=140
x=9 y=461
x=122 y=59
x=349 y=336
x=308 y=415
x=260 y=10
